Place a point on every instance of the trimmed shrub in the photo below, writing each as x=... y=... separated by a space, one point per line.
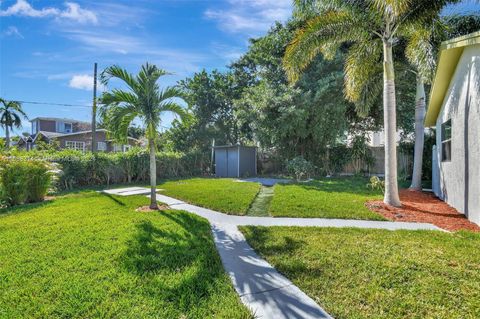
x=300 y=168
x=24 y=181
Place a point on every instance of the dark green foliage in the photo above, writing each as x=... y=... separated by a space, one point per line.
x=338 y=157
x=24 y=181
x=87 y=169
x=407 y=146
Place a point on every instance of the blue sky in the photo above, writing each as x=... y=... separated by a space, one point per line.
x=47 y=47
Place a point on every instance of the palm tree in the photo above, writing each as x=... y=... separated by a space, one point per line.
x=371 y=28
x=11 y=114
x=143 y=100
x=420 y=54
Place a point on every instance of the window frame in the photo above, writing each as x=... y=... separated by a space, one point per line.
x=65 y=127
x=446 y=141
x=126 y=147
x=104 y=148
x=75 y=144
x=117 y=148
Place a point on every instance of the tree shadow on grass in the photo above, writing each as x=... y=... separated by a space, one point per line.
x=25 y=207
x=114 y=198
x=287 y=246
x=182 y=252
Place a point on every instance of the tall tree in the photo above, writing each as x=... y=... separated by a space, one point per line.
x=144 y=100
x=371 y=26
x=11 y=114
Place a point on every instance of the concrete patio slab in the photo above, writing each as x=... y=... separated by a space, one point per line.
x=128 y=191
x=121 y=190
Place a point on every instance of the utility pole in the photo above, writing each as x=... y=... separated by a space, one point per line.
x=94 y=110
x=213 y=157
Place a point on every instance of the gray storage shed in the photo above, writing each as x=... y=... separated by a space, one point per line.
x=235 y=161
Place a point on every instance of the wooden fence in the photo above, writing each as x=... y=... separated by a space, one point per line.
x=405 y=163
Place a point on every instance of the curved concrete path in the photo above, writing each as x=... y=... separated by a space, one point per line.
x=261 y=288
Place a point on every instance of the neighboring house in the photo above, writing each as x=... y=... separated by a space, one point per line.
x=71 y=134
x=375 y=138
x=455 y=111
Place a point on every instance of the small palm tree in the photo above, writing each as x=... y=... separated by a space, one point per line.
x=11 y=114
x=371 y=28
x=143 y=100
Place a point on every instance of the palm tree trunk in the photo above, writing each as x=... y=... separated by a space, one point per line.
x=390 y=126
x=419 y=136
x=7 y=137
x=153 y=175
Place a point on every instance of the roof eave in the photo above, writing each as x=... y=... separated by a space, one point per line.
x=450 y=53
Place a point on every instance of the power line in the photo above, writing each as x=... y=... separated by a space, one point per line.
x=57 y=104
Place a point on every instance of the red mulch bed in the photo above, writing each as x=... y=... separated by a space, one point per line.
x=424 y=208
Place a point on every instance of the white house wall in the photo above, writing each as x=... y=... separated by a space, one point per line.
x=460 y=178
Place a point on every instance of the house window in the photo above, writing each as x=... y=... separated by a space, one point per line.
x=102 y=146
x=117 y=147
x=447 y=141
x=73 y=145
x=67 y=127
x=126 y=148
x=34 y=127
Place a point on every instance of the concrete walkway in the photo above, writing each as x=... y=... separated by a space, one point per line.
x=264 y=290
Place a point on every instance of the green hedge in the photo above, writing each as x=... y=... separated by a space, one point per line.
x=84 y=169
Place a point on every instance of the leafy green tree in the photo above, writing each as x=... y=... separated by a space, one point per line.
x=144 y=100
x=305 y=119
x=371 y=26
x=11 y=115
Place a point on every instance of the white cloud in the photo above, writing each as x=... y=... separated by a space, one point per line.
x=104 y=41
x=227 y=52
x=73 y=12
x=23 y=8
x=12 y=31
x=251 y=17
x=84 y=82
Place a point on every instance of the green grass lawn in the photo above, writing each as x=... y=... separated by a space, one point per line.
x=355 y=273
x=90 y=255
x=325 y=198
x=220 y=194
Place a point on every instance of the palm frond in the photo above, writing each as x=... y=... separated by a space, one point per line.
x=322 y=34
x=363 y=71
x=392 y=8
x=117 y=97
x=145 y=100
x=420 y=52
x=116 y=71
x=11 y=113
x=117 y=119
x=176 y=109
x=307 y=9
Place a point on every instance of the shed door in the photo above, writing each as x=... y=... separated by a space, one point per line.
x=221 y=162
x=232 y=160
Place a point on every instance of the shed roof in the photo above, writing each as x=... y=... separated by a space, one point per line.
x=450 y=53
